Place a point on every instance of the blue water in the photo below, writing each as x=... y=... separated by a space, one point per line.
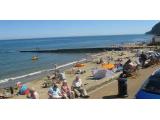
x=13 y=63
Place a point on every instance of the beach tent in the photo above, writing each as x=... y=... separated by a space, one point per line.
x=102 y=73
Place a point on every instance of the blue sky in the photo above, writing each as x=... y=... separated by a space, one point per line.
x=13 y=29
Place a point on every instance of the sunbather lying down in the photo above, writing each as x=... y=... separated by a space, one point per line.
x=79 y=71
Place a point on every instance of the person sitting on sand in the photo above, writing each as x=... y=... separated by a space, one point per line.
x=79 y=71
x=62 y=77
x=33 y=94
x=78 y=88
x=101 y=61
x=22 y=89
x=66 y=91
x=47 y=81
x=54 y=92
x=143 y=58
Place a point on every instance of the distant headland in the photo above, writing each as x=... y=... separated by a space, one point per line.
x=155 y=29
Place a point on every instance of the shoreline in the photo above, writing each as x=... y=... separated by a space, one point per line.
x=8 y=82
x=35 y=79
x=36 y=74
x=89 y=83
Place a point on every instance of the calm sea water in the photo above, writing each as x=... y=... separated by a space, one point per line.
x=13 y=63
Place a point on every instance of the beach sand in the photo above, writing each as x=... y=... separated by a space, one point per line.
x=90 y=84
x=110 y=91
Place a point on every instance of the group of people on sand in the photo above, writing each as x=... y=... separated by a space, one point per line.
x=66 y=92
x=19 y=89
x=130 y=67
x=56 y=90
x=23 y=89
x=60 y=89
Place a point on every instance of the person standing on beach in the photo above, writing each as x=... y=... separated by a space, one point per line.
x=122 y=85
x=11 y=91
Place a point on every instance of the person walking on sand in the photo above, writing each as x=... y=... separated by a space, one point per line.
x=122 y=85
x=78 y=88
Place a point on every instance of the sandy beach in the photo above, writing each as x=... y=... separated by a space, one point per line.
x=90 y=84
x=110 y=91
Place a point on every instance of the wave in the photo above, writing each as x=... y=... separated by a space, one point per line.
x=40 y=72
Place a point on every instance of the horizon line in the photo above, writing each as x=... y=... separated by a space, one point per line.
x=71 y=36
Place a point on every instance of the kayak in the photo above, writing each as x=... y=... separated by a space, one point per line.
x=34 y=58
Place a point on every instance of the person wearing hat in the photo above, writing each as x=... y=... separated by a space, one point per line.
x=54 y=92
x=78 y=88
x=22 y=89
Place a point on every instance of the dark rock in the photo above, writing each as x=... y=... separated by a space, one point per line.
x=155 y=29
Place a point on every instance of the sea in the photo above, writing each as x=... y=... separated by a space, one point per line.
x=15 y=64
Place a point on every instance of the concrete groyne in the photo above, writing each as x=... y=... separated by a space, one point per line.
x=88 y=50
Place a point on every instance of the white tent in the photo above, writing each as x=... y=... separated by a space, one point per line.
x=102 y=73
